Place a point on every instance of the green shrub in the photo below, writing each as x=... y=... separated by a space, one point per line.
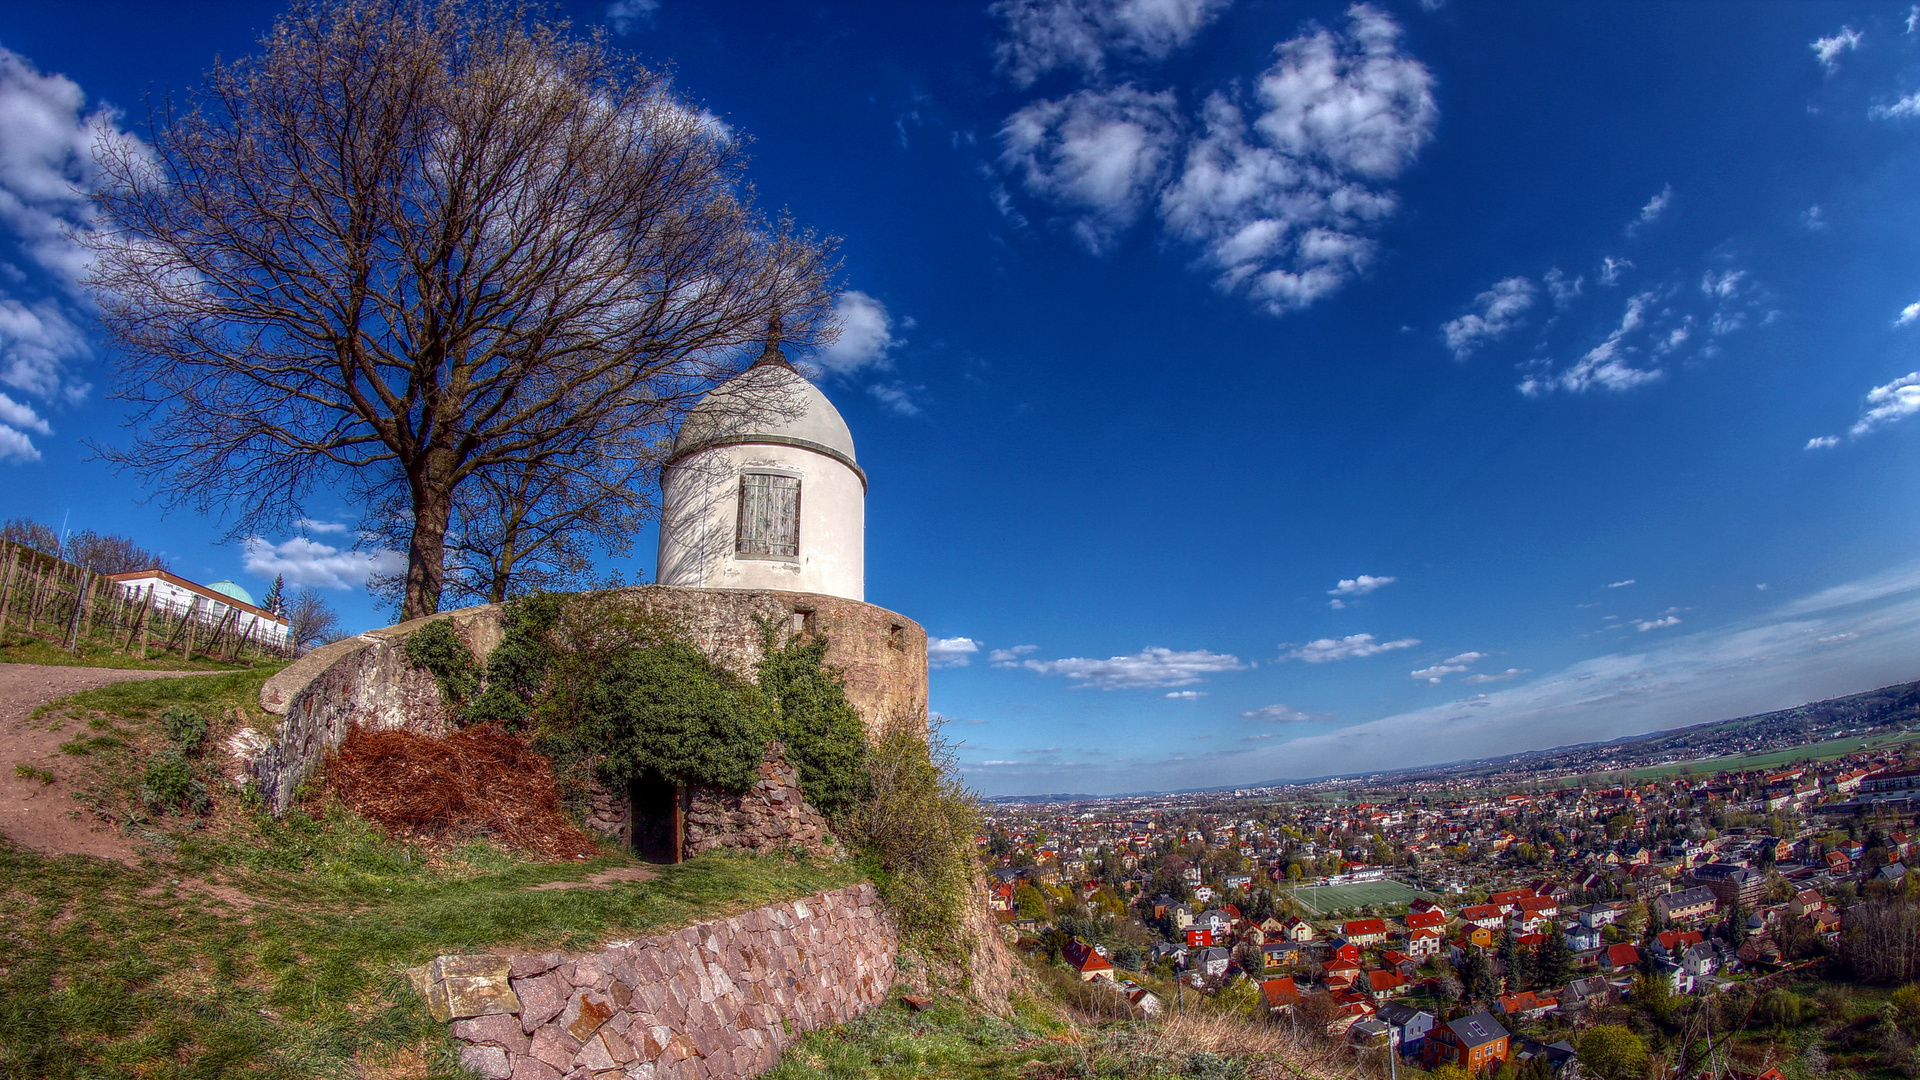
x=438 y=648
x=169 y=784
x=668 y=711
x=186 y=729
x=917 y=825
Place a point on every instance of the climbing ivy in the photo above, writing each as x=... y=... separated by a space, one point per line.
x=665 y=710
x=438 y=648
x=824 y=737
x=517 y=668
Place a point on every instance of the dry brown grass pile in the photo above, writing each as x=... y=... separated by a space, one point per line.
x=481 y=781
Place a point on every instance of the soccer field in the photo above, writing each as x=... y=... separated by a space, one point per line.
x=1333 y=898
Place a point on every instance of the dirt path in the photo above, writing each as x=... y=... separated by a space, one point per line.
x=40 y=815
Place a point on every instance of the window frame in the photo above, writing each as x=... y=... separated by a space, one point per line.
x=740 y=508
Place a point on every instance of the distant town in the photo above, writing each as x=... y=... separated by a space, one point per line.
x=1488 y=912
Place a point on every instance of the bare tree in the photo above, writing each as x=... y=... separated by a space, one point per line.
x=521 y=529
x=110 y=554
x=410 y=243
x=29 y=533
x=311 y=622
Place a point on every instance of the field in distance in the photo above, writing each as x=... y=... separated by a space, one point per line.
x=1328 y=899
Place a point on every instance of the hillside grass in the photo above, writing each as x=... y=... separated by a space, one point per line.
x=248 y=946
x=18 y=648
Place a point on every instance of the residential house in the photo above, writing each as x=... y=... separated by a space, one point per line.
x=1366 y=931
x=1687 y=904
x=1486 y=915
x=1424 y=943
x=1527 y=1005
x=1582 y=938
x=1476 y=1043
x=1086 y=960
x=1298 y=929
x=1211 y=961
x=1730 y=884
x=1385 y=984
x=1591 y=992
x=1431 y=918
x=1806 y=902
x=1621 y=957
x=1279 y=955
x=1561 y=1058
x=1281 y=995
x=1409 y=1025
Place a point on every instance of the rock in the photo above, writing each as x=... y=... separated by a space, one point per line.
x=465 y=986
x=500 y=1030
x=488 y=1061
x=541 y=999
x=531 y=1068
x=554 y=1046
x=586 y=1010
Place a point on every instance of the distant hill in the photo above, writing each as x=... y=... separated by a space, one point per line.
x=1875 y=712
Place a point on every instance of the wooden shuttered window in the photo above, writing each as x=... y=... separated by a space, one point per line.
x=769 y=516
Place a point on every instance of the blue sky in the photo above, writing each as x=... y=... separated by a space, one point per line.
x=1254 y=389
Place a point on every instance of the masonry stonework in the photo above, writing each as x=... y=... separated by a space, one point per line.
x=717 y=1000
x=366 y=680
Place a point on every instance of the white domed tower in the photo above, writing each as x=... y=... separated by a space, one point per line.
x=762 y=490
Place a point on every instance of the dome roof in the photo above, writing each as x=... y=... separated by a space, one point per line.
x=228 y=588
x=769 y=402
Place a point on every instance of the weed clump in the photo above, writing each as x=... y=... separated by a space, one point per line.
x=186 y=729
x=480 y=781
x=169 y=784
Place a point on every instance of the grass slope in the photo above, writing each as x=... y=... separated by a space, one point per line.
x=23 y=649
x=250 y=947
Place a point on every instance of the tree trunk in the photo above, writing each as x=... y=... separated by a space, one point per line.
x=427 y=552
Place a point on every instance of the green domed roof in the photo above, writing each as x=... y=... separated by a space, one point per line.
x=228 y=588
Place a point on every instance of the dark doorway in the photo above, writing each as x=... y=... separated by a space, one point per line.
x=656 y=819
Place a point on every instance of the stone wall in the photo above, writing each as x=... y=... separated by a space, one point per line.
x=718 y=1000
x=366 y=680
x=771 y=816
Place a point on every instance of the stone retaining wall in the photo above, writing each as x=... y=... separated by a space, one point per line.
x=717 y=1000
x=366 y=680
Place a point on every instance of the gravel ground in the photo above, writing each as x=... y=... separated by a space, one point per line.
x=44 y=816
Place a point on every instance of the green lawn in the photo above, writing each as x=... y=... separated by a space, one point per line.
x=1332 y=898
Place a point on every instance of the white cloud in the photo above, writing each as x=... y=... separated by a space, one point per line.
x=1086 y=35
x=1281 y=714
x=47 y=165
x=312 y=526
x=626 y=16
x=897 y=397
x=1827 y=50
x=1564 y=292
x=1644 y=625
x=1283 y=205
x=1184 y=695
x=1323 y=650
x=1821 y=442
x=1433 y=674
x=1097 y=154
x=866 y=333
x=1887 y=404
x=1611 y=269
x=1493 y=677
x=1913 y=18
x=1908 y=314
x=1501 y=308
x=1606 y=365
x=1652 y=212
x=1834 y=639
x=16 y=446
x=1010 y=657
x=309 y=562
x=1814 y=219
x=951 y=652
x=1360 y=586
x=1722 y=285
x=1620 y=584
x=1150 y=667
x=1905 y=107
